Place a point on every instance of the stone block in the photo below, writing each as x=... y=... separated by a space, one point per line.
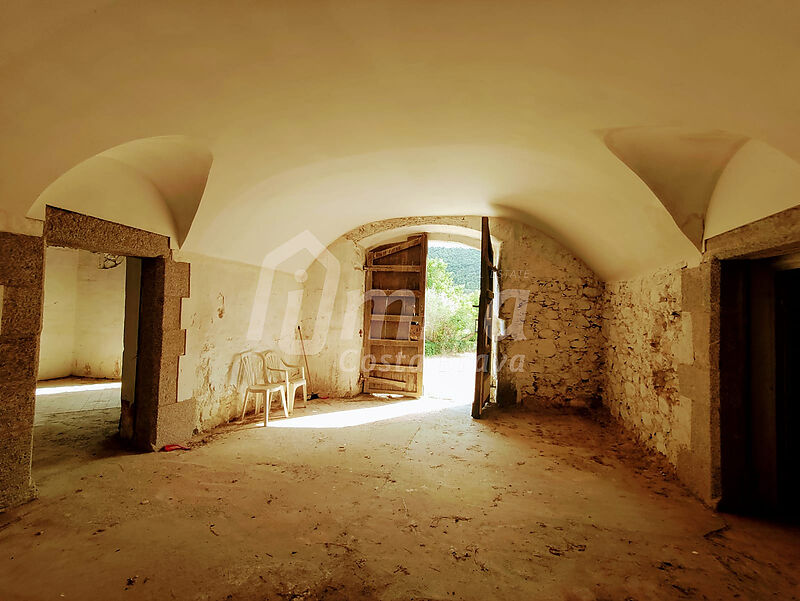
x=22 y=312
x=16 y=424
x=73 y=230
x=546 y=348
x=176 y=279
x=171 y=317
x=174 y=343
x=693 y=382
x=19 y=359
x=17 y=402
x=694 y=289
x=168 y=381
x=21 y=260
x=175 y=423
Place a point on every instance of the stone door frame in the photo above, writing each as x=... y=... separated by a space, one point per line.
x=155 y=417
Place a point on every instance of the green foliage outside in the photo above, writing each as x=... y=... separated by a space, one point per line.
x=463 y=263
x=450 y=318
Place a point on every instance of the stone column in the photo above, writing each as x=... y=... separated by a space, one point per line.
x=22 y=292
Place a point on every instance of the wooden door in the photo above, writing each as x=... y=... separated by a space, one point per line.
x=394 y=317
x=483 y=367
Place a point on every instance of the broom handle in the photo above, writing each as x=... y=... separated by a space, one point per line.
x=305 y=359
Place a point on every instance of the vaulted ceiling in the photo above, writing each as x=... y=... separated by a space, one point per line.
x=620 y=128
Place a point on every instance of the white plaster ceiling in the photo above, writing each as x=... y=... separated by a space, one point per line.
x=327 y=115
x=154 y=184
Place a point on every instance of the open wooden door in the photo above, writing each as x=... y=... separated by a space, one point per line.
x=483 y=366
x=394 y=317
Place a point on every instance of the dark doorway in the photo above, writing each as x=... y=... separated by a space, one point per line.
x=759 y=361
x=787 y=391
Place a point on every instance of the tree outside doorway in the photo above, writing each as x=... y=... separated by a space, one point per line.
x=451 y=313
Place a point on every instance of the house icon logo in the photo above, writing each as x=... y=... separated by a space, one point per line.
x=288 y=342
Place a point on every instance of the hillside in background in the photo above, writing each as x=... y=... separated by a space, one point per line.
x=462 y=262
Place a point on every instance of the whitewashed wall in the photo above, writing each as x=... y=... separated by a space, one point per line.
x=84 y=312
x=58 y=319
x=99 y=318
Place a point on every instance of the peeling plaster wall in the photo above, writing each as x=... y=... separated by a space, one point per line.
x=657 y=377
x=550 y=303
x=648 y=336
x=217 y=318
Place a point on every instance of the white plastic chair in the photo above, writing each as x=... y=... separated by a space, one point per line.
x=294 y=376
x=259 y=381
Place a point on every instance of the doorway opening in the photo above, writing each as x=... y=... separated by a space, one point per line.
x=80 y=375
x=394 y=317
x=452 y=293
x=759 y=412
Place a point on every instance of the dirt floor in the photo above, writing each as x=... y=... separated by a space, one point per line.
x=424 y=505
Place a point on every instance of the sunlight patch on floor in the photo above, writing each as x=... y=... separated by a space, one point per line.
x=48 y=390
x=368 y=415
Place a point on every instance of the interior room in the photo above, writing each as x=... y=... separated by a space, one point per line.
x=80 y=353
x=82 y=330
x=399 y=300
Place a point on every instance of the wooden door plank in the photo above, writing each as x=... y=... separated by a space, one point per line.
x=389 y=367
x=385 y=317
x=368 y=308
x=398 y=383
x=421 y=286
x=392 y=342
x=402 y=268
x=483 y=353
x=397 y=248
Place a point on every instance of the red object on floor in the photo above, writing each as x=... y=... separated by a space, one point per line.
x=175 y=447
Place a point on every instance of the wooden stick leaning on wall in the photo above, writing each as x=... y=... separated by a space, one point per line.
x=313 y=395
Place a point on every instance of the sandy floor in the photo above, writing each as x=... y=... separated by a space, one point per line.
x=520 y=505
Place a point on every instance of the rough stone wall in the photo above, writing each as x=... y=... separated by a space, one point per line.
x=550 y=302
x=659 y=332
x=552 y=352
x=21 y=282
x=648 y=337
